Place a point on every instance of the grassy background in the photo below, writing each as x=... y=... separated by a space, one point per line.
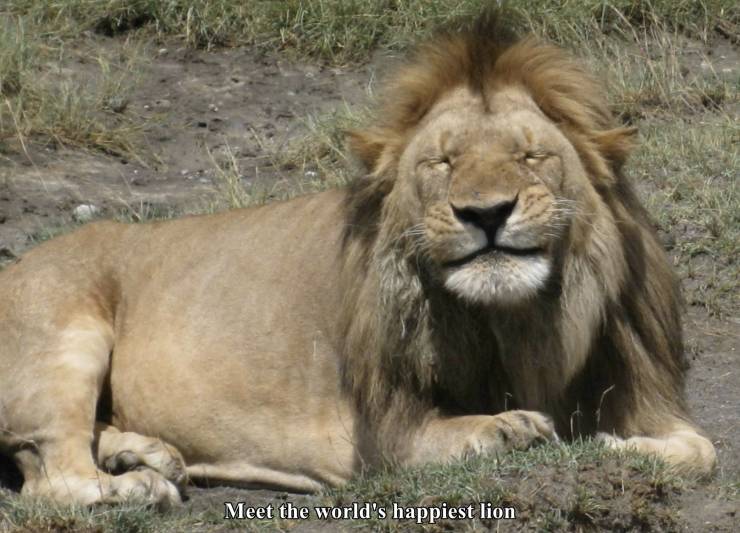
x=686 y=170
x=348 y=29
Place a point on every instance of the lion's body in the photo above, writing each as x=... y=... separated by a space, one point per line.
x=491 y=281
x=193 y=349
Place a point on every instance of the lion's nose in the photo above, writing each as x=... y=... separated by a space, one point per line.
x=489 y=218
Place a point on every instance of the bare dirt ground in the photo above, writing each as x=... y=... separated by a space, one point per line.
x=201 y=105
x=254 y=103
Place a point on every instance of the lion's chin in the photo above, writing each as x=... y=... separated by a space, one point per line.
x=506 y=281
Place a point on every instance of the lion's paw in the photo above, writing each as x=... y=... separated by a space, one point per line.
x=122 y=452
x=512 y=430
x=142 y=486
x=610 y=441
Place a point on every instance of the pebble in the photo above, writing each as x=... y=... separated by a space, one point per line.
x=85 y=212
x=118 y=104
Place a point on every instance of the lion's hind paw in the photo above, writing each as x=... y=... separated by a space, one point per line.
x=143 y=486
x=123 y=452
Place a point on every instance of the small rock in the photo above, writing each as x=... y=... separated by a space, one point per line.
x=184 y=172
x=85 y=212
x=311 y=174
x=667 y=239
x=118 y=104
x=162 y=51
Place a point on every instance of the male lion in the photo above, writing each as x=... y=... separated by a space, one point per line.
x=491 y=281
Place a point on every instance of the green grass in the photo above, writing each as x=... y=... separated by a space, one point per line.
x=41 y=516
x=586 y=477
x=505 y=482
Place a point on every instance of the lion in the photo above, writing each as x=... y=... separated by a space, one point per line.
x=490 y=281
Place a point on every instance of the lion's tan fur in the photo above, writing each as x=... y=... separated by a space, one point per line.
x=292 y=344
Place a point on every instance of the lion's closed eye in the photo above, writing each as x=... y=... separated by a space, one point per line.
x=535 y=156
x=441 y=164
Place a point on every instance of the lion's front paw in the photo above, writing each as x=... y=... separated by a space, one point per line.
x=610 y=441
x=682 y=448
x=448 y=438
x=511 y=430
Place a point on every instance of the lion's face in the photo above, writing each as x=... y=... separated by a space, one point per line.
x=496 y=188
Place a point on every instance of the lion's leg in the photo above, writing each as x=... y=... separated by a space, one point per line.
x=65 y=471
x=123 y=451
x=444 y=438
x=682 y=447
x=51 y=412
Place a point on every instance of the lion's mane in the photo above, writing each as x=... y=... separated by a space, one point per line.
x=606 y=330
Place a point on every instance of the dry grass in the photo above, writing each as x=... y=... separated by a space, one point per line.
x=46 y=97
x=340 y=30
x=321 y=152
x=76 y=112
x=688 y=170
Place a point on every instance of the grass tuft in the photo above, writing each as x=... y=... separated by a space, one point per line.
x=688 y=174
x=43 y=99
x=18 y=49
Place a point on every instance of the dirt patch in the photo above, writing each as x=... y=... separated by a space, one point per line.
x=713 y=388
x=201 y=106
x=605 y=496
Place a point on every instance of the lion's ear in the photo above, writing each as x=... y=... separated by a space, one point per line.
x=616 y=144
x=367 y=145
